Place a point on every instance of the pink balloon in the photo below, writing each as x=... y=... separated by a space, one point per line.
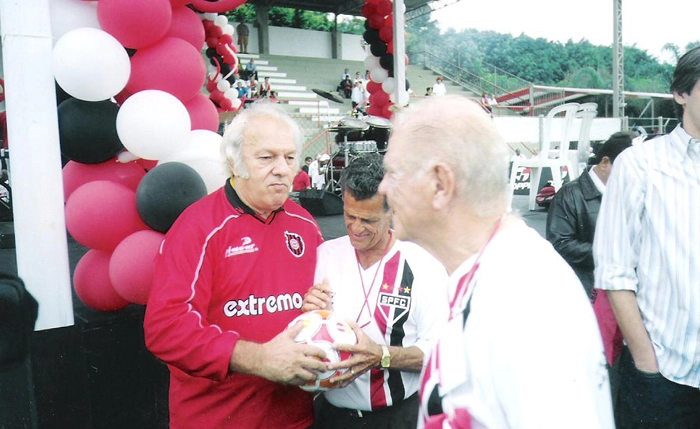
x=100 y=214
x=76 y=174
x=203 y=113
x=178 y=3
x=219 y=6
x=132 y=265
x=135 y=23
x=147 y=164
x=187 y=26
x=92 y=284
x=171 y=65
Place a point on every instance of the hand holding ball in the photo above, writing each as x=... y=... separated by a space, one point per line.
x=322 y=329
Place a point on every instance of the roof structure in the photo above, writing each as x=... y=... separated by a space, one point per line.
x=345 y=7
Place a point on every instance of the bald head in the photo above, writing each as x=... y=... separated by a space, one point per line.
x=456 y=131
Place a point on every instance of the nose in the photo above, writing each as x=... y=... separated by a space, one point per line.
x=281 y=166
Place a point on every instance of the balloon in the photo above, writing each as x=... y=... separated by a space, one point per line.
x=376 y=21
x=371 y=62
x=386 y=61
x=135 y=23
x=153 y=124
x=203 y=154
x=87 y=130
x=89 y=64
x=132 y=265
x=67 y=15
x=187 y=26
x=371 y=36
x=386 y=33
x=179 y=3
x=219 y=6
x=374 y=110
x=373 y=86
x=378 y=75
x=166 y=191
x=221 y=20
x=171 y=65
x=389 y=21
x=100 y=214
x=389 y=85
x=378 y=48
x=386 y=111
x=379 y=98
x=92 y=284
x=367 y=10
x=383 y=7
x=76 y=174
x=203 y=114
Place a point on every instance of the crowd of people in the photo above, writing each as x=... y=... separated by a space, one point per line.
x=457 y=324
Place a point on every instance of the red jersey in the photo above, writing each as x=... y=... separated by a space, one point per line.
x=224 y=273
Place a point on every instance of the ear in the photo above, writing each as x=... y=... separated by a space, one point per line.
x=442 y=185
x=679 y=97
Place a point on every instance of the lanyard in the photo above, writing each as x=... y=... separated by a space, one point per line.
x=362 y=280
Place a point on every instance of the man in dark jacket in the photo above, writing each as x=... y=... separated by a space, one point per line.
x=574 y=211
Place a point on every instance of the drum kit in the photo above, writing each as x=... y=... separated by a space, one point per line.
x=354 y=136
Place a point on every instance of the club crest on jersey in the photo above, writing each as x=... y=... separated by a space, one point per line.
x=295 y=243
x=400 y=304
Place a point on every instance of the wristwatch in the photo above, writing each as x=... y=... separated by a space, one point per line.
x=386 y=357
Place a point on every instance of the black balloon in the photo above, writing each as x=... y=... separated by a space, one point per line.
x=387 y=61
x=378 y=48
x=371 y=36
x=61 y=95
x=165 y=192
x=367 y=25
x=88 y=130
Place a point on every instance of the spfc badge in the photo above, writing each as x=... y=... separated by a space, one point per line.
x=295 y=243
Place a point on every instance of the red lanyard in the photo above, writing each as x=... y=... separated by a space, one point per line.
x=371 y=286
x=466 y=280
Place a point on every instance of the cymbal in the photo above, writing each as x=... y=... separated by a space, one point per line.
x=327 y=95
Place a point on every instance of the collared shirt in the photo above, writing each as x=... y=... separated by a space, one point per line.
x=599 y=185
x=648 y=241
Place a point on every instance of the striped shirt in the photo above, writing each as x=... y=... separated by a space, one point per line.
x=648 y=241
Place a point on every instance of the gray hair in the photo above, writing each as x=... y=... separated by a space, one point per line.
x=456 y=131
x=236 y=131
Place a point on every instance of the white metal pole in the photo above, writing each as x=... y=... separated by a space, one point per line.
x=400 y=93
x=35 y=159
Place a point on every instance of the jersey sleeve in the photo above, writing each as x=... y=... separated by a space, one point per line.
x=176 y=327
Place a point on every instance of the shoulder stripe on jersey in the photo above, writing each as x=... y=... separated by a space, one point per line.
x=199 y=267
x=318 y=229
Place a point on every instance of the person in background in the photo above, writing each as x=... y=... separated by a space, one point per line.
x=521 y=348
x=571 y=223
x=647 y=257
x=301 y=181
x=222 y=294
x=392 y=293
x=307 y=161
x=439 y=87
x=242 y=31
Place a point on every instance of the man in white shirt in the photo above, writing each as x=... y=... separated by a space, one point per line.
x=394 y=292
x=521 y=348
x=647 y=256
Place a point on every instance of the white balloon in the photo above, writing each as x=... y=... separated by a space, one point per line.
x=228 y=29
x=153 y=124
x=231 y=94
x=371 y=62
x=221 y=21
x=389 y=85
x=236 y=104
x=210 y=16
x=378 y=74
x=67 y=15
x=90 y=64
x=203 y=154
x=223 y=85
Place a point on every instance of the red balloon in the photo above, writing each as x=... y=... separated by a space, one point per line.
x=374 y=2
x=100 y=214
x=132 y=265
x=92 y=283
x=171 y=65
x=216 y=96
x=389 y=20
x=135 y=23
x=203 y=113
x=187 y=26
x=368 y=10
x=147 y=164
x=379 y=98
x=226 y=38
x=76 y=174
x=215 y=31
x=373 y=86
x=383 y=7
x=220 y=6
x=374 y=110
x=376 y=21
x=390 y=46
x=178 y=3
x=122 y=96
x=386 y=34
x=386 y=110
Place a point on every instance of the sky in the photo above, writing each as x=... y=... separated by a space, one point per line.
x=648 y=24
